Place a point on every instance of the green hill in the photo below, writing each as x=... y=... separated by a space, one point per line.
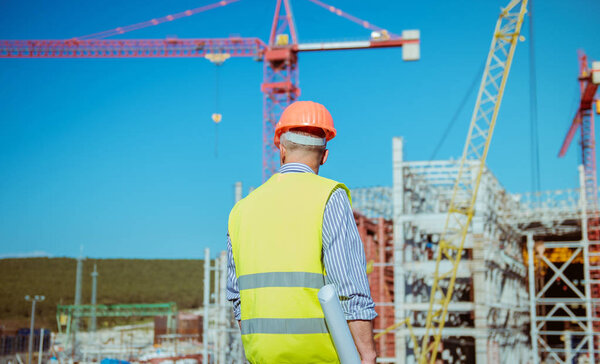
x=119 y=281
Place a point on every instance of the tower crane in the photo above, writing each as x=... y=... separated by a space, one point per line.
x=589 y=79
x=279 y=54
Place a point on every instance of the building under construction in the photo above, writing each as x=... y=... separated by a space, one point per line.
x=521 y=291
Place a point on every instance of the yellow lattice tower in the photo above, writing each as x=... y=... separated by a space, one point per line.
x=464 y=194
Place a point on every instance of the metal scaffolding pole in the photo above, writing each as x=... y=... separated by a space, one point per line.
x=41 y=347
x=33 y=300
x=532 y=307
x=206 y=299
x=586 y=266
x=217 y=344
x=77 y=303
x=399 y=283
x=223 y=323
x=94 y=297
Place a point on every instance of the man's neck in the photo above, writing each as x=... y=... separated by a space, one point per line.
x=313 y=166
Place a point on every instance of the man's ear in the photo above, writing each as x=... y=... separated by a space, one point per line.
x=282 y=153
x=324 y=157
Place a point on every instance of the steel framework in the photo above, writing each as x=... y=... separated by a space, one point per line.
x=69 y=315
x=373 y=202
x=577 y=333
x=132 y=48
x=562 y=305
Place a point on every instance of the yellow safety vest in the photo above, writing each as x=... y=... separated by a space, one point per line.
x=276 y=238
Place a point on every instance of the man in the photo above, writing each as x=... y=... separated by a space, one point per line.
x=286 y=240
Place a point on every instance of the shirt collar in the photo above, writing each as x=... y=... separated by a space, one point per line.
x=295 y=168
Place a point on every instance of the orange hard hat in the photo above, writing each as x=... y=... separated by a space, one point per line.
x=305 y=113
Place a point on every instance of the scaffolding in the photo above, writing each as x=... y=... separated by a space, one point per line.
x=561 y=300
x=67 y=314
x=222 y=341
x=68 y=318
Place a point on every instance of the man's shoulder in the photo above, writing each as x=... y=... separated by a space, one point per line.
x=336 y=185
x=252 y=194
x=324 y=180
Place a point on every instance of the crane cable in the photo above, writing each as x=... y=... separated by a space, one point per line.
x=363 y=23
x=156 y=21
x=216 y=117
x=218 y=58
x=533 y=118
x=458 y=111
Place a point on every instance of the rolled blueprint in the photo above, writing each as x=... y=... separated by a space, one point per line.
x=338 y=326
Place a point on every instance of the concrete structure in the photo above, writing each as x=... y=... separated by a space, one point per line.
x=504 y=310
x=489 y=311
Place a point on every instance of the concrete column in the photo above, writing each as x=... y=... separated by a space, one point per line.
x=480 y=238
x=399 y=278
x=381 y=279
x=206 y=302
x=532 y=300
x=237 y=192
x=479 y=297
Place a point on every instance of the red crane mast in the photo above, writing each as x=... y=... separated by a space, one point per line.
x=279 y=55
x=589 y=79
x=584 y=119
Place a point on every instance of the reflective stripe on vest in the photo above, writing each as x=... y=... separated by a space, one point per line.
x=281 y=279
x=284 y=326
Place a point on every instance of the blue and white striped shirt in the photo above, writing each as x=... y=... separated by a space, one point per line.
x=343 y=256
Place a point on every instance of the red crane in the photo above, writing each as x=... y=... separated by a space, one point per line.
x=279 y=55
x=589 y=79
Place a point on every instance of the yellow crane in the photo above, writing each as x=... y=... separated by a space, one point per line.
x=464 y=194
x=472 y=163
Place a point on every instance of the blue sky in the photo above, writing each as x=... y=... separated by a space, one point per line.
x=118 y=155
